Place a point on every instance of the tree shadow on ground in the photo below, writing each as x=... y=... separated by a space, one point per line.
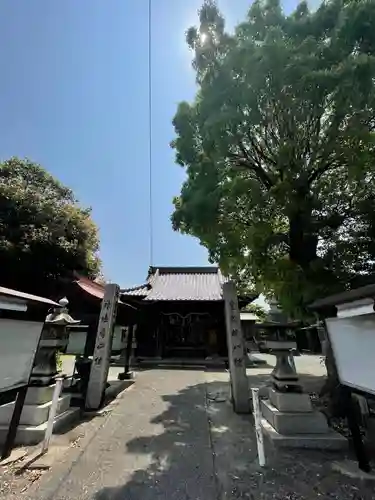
x=205 y=451
x=181 y=463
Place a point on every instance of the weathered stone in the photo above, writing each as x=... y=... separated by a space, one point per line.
x=328 y=441
x=289 y=401
x=290 y=423
x=33 y=415
x=236 y=351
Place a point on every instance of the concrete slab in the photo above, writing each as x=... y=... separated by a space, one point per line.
x=329 y=441
x=38 y=460
x=350 y=468
x=16 y=454
x=291 y=423
x=33 y=414
x=29 y=435
x=117 y=386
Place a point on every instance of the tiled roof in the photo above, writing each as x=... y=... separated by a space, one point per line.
x=180 y=283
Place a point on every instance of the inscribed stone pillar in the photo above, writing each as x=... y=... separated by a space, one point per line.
x=236 y=351
x=102 y=351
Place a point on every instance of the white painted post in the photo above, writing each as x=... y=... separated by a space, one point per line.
x=52 y=414
x=258 y=427
x=236 y=350
x=102 y=351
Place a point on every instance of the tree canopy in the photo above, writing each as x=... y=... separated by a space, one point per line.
x=257 y=310
x=278 y=146
x=44 y=233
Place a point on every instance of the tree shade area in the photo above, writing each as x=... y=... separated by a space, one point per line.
x=278 y=147
x=45 y=235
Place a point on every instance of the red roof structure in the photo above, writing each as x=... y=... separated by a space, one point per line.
x=94 y=289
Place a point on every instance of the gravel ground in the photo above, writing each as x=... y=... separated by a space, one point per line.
x=288 y=475
x=11 y=484
x=174 y=436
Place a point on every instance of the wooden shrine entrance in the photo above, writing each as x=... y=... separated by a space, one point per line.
x=186 y=335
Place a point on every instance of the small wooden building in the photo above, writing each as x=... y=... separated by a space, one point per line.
x=85 y=298
x=181 y=313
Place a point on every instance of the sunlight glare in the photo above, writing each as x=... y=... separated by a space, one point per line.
x=203 y=37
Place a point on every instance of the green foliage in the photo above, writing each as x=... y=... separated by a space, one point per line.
x=59 y=360
x=44 y=233
x=258 y=310
x=278 y=147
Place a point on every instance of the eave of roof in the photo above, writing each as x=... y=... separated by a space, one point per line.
x=341 y=298
x=96 y=290
x=8 y=292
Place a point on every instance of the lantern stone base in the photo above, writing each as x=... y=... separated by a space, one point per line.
x=289 y=401
x=294 y=422
x=34 y=416
x=34 y=434
x=329 y=441
x=290 y=421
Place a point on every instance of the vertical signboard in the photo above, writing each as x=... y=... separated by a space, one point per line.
x=103 y=344
x=236 y=351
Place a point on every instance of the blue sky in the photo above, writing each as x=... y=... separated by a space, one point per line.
x=74 y=97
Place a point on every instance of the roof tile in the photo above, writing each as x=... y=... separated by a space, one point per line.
x=203 y=283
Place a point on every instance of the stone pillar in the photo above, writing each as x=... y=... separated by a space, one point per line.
x=102 y=351
x=236 y=351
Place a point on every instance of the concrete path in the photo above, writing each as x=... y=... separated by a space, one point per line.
x=174 y=436
x=155 y=444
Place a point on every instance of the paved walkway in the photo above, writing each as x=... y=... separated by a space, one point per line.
x=155 y=444
x=174 y=436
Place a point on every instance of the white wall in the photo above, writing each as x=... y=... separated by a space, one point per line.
x=117 y=343
x=77 y=341
x=18 y=345
x=353 y=343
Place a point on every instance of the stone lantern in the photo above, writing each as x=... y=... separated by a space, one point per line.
x=289 y=418
x=276 y=330
x=54 y=338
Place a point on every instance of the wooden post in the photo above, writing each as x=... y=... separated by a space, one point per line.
x=128 y=351
x=236 y=351
x=102 y=351
x=13 y=426
x=355 y=432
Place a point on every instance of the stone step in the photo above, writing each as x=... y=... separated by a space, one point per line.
x=328 y=441
x=29 y=435
x=291 y=423
x=33 y=415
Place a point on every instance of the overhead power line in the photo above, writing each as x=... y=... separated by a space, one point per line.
x=151 y=225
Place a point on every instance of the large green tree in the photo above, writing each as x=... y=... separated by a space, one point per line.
x=278 y=146
x=45 y=234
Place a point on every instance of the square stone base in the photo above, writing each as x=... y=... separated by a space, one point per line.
x=29 y=435
x=328 y=441
x=290 y=402
x=292 y=423
x=33 y=415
